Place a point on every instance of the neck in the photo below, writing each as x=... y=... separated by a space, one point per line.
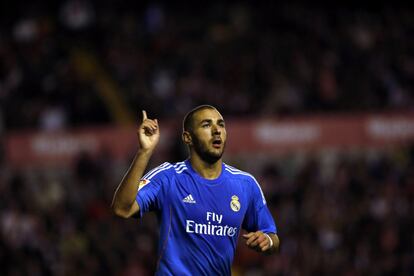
x=205 y=169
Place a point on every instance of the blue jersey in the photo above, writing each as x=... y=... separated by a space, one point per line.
x=200 y=219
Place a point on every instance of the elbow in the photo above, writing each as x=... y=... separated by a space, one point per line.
x=120 y=212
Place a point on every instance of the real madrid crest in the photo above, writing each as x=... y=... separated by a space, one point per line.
x=234 y=203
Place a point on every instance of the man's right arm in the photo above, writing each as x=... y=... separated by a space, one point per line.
x=124 y=203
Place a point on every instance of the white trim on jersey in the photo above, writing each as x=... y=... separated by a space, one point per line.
x=179 y=164
x=180 y=167
x=155 y=169
x=233 y=170
x=154 y=172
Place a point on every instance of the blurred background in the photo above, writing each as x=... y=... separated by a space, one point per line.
x=319 y=107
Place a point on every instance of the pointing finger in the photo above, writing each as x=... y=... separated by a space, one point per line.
x=144 y=115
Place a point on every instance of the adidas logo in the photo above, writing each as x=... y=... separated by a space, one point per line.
x=189 y=199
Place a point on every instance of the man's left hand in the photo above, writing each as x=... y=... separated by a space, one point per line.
x=258 y=241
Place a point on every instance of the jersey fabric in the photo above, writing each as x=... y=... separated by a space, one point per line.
x=200 y=219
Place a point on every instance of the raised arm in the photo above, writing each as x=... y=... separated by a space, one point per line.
x=124 y=203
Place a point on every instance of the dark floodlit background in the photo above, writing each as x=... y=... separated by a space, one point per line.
x=74 y=72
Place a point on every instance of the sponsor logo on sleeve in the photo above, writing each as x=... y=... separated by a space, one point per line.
x=142 y=183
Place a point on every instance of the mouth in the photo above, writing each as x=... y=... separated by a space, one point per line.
x=217 y=143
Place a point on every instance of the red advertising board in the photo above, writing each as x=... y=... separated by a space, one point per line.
x=264 y=136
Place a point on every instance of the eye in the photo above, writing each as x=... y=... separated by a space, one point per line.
x=205 y=125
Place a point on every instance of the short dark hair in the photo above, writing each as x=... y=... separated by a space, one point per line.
x=188 y=118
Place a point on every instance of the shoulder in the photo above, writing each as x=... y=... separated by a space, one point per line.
x=234 y=172
x=179 y=167
x=165 y=170
x=159 y=171
x=246 y=178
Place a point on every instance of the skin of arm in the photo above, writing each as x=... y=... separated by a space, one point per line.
x=124 y=203
x=260 y=242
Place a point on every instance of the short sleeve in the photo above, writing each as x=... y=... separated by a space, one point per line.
x=151 y=189
x=258 y=216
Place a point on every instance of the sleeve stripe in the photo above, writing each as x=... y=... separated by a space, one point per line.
x=178 y=164
x=158 y=171
x=230 y=167
x=181 y=169
x=177 y=168
x=147 y=175
x=251 y=176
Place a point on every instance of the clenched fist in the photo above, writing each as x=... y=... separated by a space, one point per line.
x=258 y=241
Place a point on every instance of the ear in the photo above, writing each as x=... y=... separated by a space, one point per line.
x=187 y=139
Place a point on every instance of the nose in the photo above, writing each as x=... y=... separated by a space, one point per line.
x=215 y=129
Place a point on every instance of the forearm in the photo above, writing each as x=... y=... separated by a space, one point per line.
x=126 y=191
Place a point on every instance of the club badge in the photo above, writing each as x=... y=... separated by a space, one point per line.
x=234 y=203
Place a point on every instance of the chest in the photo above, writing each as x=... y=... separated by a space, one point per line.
x=224 y=203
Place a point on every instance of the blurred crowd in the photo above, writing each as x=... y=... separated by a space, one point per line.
x=336 y=215
x=266 y=58
x=343 y=215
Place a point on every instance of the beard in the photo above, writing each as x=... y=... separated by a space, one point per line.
x=207 y=155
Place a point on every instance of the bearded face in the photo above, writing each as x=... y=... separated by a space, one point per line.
x=208 y=135
x=209 y=151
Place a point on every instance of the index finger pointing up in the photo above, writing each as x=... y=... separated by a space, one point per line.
x=144 y=115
